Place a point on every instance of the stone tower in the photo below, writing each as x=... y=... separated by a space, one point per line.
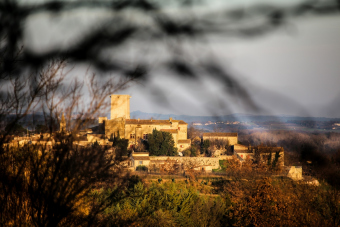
x=63 y=124
x=120 y=106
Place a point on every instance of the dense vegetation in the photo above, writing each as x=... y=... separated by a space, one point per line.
x=161 y=143
x=261 y=202
x=72 y=186
x=120 y=145
x=49 y=187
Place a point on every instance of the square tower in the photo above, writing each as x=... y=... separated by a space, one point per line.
x=120 y=106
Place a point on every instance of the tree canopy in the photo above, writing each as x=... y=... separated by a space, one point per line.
x=161 y=143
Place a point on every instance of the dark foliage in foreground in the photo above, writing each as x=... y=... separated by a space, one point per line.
x=49 y=187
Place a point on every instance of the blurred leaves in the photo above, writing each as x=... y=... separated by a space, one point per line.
x=162 y=24
x=169 y=24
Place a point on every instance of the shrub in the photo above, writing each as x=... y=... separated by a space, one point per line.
x=141 y=168
x=186 y=153
x=193 y=151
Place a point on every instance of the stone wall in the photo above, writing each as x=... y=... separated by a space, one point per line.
x=183 y=145
x=100 y=138
x=225 y=157
x=232 y=140
x=199 y=161
x=295 y=172
x=264 y=157
x=113 y=126
x=242 y=156
x=239 y=147
x=139 y=162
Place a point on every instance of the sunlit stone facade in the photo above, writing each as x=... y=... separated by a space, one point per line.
x=136 y=130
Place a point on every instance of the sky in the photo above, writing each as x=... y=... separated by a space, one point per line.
x=291 y=71
x=288 y=72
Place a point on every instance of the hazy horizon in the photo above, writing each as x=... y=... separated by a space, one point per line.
x=245 y=114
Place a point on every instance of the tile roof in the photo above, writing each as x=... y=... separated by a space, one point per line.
x=169 y=130
x=141 y=157
x=240 y=147
x=221 y=134
x=180 y=122
x=184 y=141
x=147 y=122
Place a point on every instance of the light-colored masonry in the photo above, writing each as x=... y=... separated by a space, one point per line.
x=136 y=130
x=195 y=163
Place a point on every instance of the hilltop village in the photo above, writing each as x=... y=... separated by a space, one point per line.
x=136 y=131
x=214 y=146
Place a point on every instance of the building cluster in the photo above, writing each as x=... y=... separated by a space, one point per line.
x=137 y=130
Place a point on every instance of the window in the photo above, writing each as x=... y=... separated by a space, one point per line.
x=140 y=162
x=132 y=136
x=145 y=136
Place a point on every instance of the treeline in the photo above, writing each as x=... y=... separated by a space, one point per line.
x=49 y=187
x=313 y=124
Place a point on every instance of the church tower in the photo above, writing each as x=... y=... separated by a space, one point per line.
x=120 y=106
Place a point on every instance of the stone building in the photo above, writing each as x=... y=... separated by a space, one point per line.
x=232 y=138
x=136 y=130
x=140 y=159
x=295 y=172
x=242 y=152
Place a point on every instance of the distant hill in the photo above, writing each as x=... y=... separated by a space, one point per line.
x=38 y=117
x=231 y=117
